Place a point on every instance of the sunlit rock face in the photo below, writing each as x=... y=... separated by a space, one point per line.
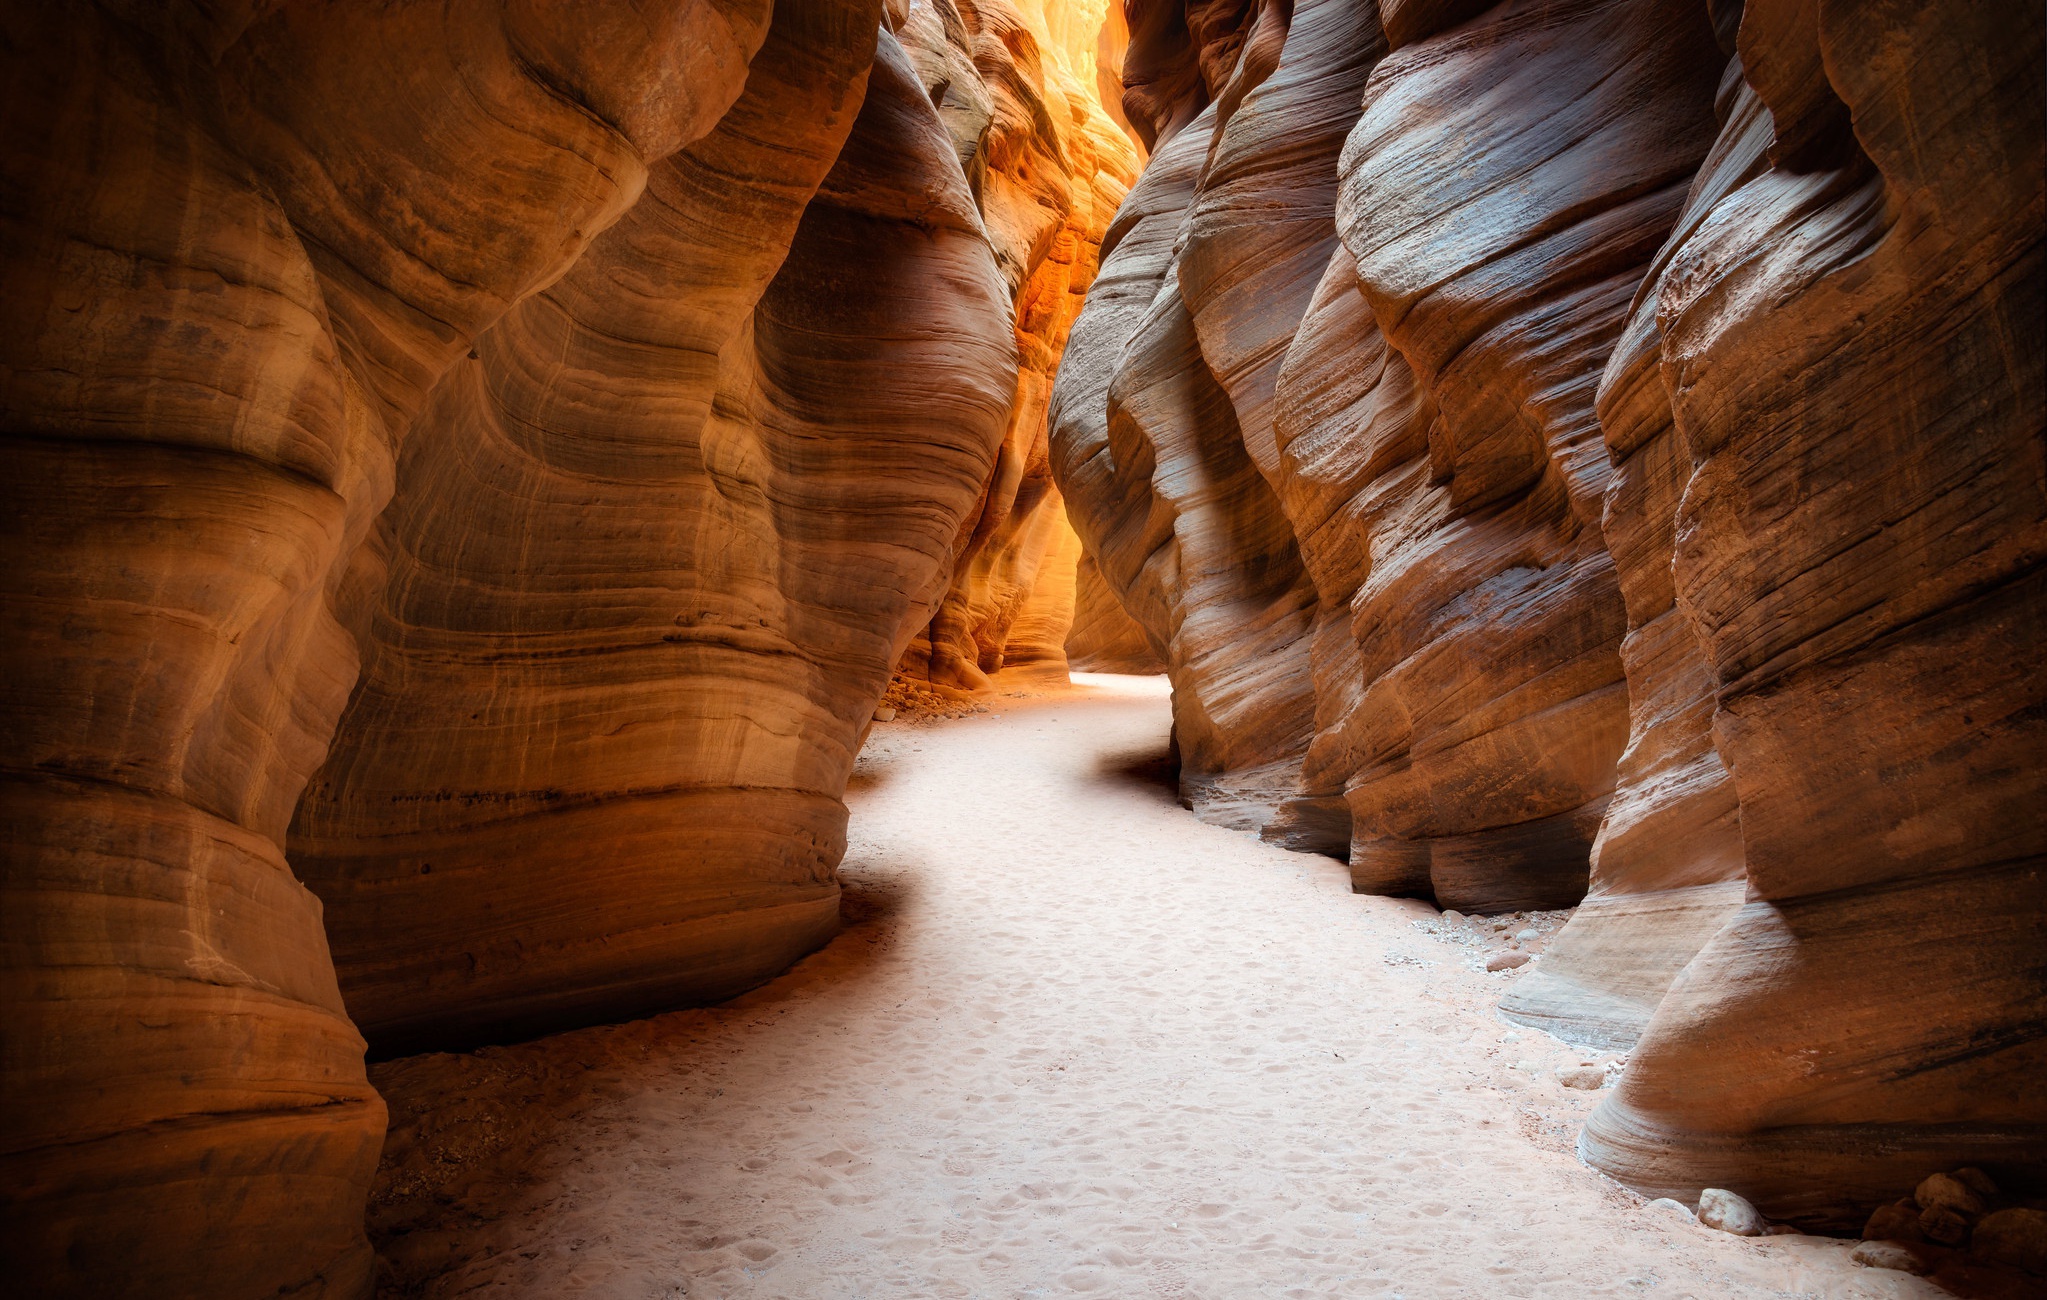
x=1848 y=328
x=646 y=568
x=240 y=247
x=1102 y=637
x=1601 y=446
x=1015 y=86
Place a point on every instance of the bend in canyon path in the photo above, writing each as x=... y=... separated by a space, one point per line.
x=1072 y=1041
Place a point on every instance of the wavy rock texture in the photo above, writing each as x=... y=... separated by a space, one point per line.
x=1493 y=711
x=1102 y=637
x=1015 y=87
x=1668 y=866
x=1850 y=338
x=1170 y=504
x=1665 y=482
x=646 y=569
x=227 y=301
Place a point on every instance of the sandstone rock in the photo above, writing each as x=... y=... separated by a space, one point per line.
x=699 y=585
x=1161 y=489
x=1884 y=1254
x=1665 y=1205
x=241 y=245
x=1103 y=637
x=1050 y=168
x=1869 y=704
x=1898 y=1221
x=1489 y=563
x=1506 y=961
x=1722 y=1209
x=2017 y=1237
x=884 y=714
x=1589 y=1078
x=1947 y=1192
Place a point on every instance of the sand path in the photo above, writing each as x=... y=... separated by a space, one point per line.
x=1073 y=1042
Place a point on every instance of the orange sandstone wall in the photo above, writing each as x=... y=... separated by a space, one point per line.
x=644 y=575
x=1015 y=86
x=534 y=436
x=1647 y=504
x=229 y=298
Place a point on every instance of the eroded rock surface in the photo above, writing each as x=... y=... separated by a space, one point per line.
x=1649 y=502
x=1851 y=341
x=228 y=300
x=1015 y=87
x=646 y=569
x=680 y=351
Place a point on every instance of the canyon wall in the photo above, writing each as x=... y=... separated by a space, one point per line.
x=535 y=437
x=228 y=302
x=1016 y=89
x=1645 y=509
x=643 y=576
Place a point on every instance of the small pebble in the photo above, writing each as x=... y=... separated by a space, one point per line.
x=1529 y=936
x=884 y=714
x=1722 y=1209
x=1506 y=961
x=1453 y=916
x=1590 y=1078
x=1882 y=1254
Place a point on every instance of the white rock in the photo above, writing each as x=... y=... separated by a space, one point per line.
x=1590 y=1078
x=1664 y=1205
x=1722 y=1209
x=1453 y=916
x=1529 y=936
x=884 y=714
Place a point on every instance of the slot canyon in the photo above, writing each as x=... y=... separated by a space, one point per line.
x=1183 y=648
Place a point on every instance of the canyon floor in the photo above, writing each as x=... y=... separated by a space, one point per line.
x=1071 y=1041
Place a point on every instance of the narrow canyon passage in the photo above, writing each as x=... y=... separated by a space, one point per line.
x=1072 y=1041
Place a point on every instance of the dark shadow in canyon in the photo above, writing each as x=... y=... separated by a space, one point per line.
x=1154 y=770
x=481 y=1136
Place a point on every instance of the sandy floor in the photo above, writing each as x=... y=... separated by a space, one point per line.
x=1073 y=1041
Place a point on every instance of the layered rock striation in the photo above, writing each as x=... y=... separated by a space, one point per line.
x=533 y=435
x=1848 y=327
x=1644 y=508
x=646 y=568
x=1016 y=89
x=229 y=300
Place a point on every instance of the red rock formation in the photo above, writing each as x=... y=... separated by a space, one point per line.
x=1849 y=332
x=1795 y=455
x=646 y=568
x=228 y=300
x=1667 y=868
x=1102 y=637
x=1493 y=711
x=1049 y=168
